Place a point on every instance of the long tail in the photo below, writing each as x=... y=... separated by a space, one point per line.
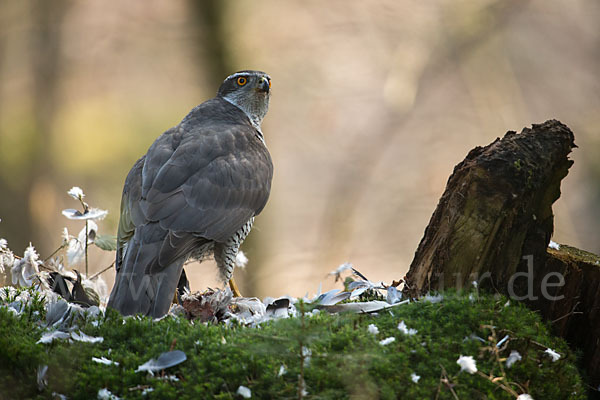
x=139 y=288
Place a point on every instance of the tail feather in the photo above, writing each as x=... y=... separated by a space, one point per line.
x=138 y=292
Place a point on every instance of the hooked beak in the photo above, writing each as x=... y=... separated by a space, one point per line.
x=263 y=85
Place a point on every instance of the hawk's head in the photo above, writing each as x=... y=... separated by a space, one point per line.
x=250 y=91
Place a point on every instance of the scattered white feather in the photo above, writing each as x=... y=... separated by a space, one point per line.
x=7 y=292
x=165 y=360
x=82 y=337
x=554 y=245
x=373 y=329
x=513 y=357
x=331 y=297
x=24 y=270
x=415 y=378
x=404 y=329
x=42 y=379
x=24 y=297
x=76 y=193
x=433 y=299
x=48 y=337
x=76 y=247
x=241 y=260
x=92 y=213
x=147 y=390
x=282 y=370
x=360 y=286
x=475 y=284
x=171 y=378
x=65 y=235
x=524 y=396
x=244 y=392
x=104 y=360
x=12 y=311
x=473 y=336
x=501 y=342
x=387 y=341
x=555 y=356
x=338 y=271
x=105 y=394
x=7 y=258
x=302 y=385
x=307 y=354
x=467 y=363
x=393 y=295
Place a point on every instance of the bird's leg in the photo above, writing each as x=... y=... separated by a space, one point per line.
x=225 y=254
x=234 y=288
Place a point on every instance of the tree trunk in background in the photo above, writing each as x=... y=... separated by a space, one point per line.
x=45 y=58
x=349 y=183
x=4 y=277
x=210 y=43
x=47 y=65
x=493 y=225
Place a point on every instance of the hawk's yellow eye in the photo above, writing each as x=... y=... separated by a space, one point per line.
x=242 y=81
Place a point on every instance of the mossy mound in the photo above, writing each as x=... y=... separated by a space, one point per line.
x=342 y=357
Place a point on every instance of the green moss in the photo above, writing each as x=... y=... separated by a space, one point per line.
x=517 y=164
x=346 y=361
x=578 y=254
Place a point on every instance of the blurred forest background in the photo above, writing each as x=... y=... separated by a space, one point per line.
x=373 y=104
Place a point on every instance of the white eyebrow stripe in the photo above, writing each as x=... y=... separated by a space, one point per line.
x=237 y=74
x=246 y=74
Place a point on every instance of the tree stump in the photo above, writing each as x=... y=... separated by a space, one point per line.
x=493 y=225
x=575 y=315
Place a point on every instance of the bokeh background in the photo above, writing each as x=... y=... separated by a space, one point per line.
x=373 y=104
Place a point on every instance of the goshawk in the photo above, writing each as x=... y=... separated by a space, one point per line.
x=195 y=193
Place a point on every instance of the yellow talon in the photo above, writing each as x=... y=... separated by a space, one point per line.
x=234 y=288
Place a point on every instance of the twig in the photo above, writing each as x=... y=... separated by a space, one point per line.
x=496 y=382
x=496 y=352
x=86 y=247
x=437 y=395
x=103 y=271
x=62 y=246
x=446 y=381
x=572 y=312
x=86 y=208
x=45 y=267
x=301 y=382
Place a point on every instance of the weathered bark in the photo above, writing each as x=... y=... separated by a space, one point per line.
x=493 y=225
x=575 y=313
x=497 y=208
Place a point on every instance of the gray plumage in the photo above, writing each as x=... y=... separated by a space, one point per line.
x=195 y=192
